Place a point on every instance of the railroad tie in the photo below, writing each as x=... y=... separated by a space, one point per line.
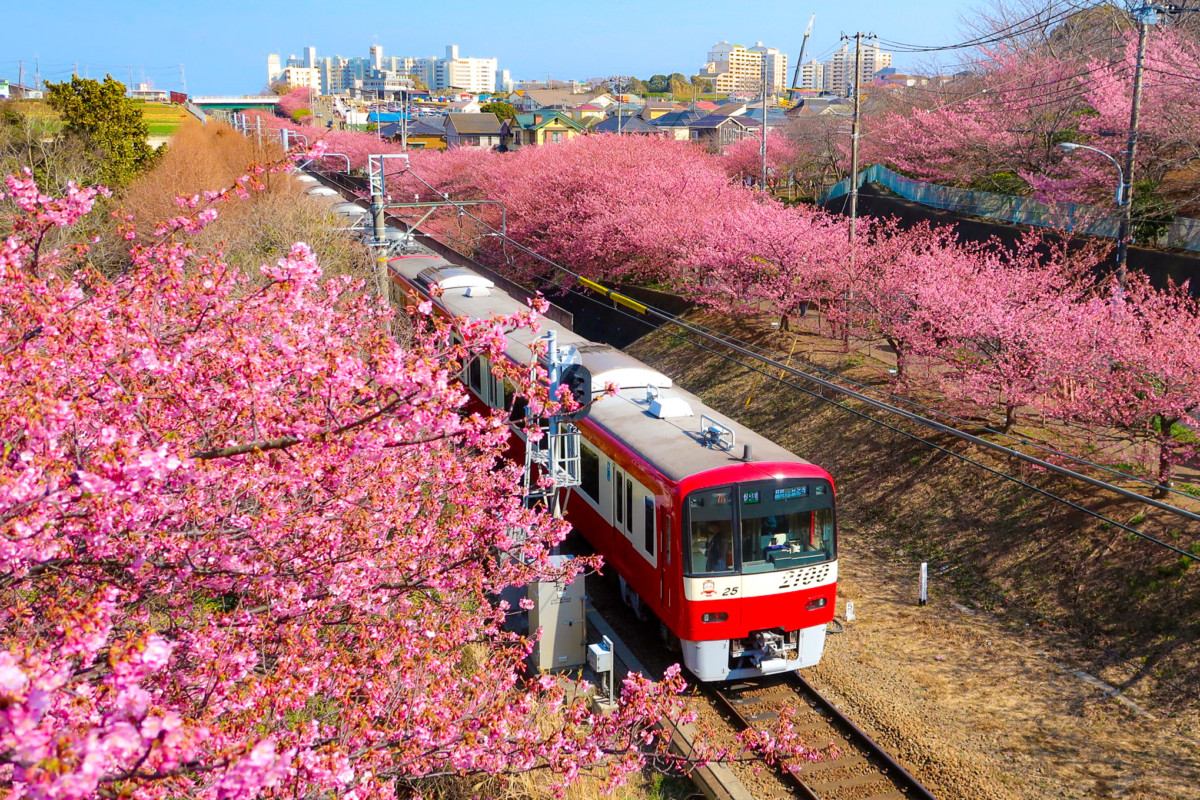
x=847 y=783
x=894 y=794
x=828 y=765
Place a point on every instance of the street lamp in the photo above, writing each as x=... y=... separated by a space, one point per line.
x=1122 y=198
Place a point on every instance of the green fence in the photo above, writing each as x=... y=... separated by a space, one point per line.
x=1075 y=217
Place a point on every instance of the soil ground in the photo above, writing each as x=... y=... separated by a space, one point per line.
x=988 y=691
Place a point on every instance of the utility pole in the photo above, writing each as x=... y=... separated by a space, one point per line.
x=1146 y=16
x=762 y=145
x=21 y=72
x=858 y=37
x=183 y=79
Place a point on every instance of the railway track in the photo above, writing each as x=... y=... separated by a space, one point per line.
x=862 y=771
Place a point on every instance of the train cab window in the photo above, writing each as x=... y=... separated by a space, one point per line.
x=649 y=526
x=709 y=545
x=785 y=524
x=589 y=472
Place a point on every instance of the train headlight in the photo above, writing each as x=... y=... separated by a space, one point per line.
x=819 y=602
x=715 y=616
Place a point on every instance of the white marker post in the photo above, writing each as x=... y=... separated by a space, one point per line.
x=849 y=611
x=924 y=583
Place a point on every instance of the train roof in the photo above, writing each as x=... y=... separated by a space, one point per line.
x=671 y=429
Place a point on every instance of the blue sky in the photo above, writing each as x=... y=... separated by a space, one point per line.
x=224 y=45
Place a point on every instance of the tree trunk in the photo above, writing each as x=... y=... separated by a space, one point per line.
x=1010 y=418
x=900 y=360
x=1164 y=455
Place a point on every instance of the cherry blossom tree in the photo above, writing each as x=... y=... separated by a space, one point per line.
x=252 y=545
x=295 y=100
x=768 y=257
x=743 y=158
x=998 y=313
x=1131 y=364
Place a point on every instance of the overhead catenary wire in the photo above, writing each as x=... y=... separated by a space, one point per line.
x=910 y=416
x=769 y=370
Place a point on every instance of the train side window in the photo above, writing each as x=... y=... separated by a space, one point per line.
x=475 y=375
x=629 y=505
x=649 y=531
x=618 y=490
x=589 y=469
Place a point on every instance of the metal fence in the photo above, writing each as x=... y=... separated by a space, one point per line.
x=1075 y=217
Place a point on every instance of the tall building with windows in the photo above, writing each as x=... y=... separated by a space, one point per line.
x=812 y=76
x=734 y=68
x=335 y=74
x=839 y=70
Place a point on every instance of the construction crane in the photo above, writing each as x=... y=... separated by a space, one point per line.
x=800 y=58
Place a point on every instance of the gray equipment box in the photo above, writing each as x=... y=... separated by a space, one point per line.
x=559 y=610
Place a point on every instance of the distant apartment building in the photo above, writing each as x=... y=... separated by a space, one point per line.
x=734 y=68
x=812 y=76
x=476 y=75
x=335 y=74
x=839 y=70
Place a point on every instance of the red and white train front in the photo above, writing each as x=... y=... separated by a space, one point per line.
x=727 y=538
x=759 y=570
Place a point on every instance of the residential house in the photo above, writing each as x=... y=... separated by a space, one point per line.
x=468 y=106
x=472 y=130
x=653 y=109
x=628 y=125
x=533 y=99
x=717 y=131
x=677 y=124
x=588 y=113
x=421 y=135
x=538 y=128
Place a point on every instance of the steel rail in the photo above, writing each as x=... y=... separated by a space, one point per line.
x=898 y=774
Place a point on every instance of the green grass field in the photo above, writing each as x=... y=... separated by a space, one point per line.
x=163 y=120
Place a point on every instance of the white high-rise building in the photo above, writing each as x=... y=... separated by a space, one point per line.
x=334 y=74
x=812 y=76
x=734 y=68
x=468 y=74
x=775 y=63
x=274 y=68
x=839 y=70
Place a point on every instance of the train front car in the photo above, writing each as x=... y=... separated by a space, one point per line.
x=759 y=569
x=728 y=538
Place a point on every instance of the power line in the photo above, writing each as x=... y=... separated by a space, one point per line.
x=912 y=417
x=1033 y=22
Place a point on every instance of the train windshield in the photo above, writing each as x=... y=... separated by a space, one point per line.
x=785 y=524
x=780 y=524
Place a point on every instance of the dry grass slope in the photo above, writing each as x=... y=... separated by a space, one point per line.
x=1005 y=547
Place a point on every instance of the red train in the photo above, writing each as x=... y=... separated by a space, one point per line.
x=726 y=538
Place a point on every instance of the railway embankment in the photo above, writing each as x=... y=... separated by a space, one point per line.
x=1057 y=657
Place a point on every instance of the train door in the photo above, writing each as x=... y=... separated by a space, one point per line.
x=666 y=580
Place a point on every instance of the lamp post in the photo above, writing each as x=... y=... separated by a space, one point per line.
x=1122 y=199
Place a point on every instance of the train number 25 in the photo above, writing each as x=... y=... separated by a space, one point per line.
x=729 y=591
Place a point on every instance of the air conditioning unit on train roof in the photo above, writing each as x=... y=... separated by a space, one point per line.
x=669 y=406
x=451 y=279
